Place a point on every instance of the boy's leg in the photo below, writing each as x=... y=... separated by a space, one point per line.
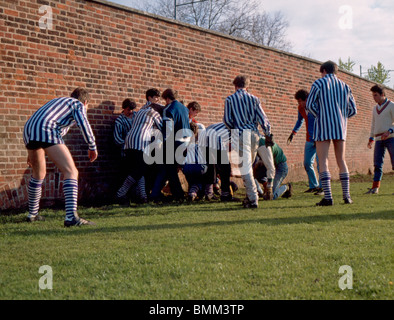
x=340 y=147
x=248 y=151
x=390 y=148
x=309 y=159
x=136 y=171
x=61 y=157
x=378 y=160
x=124 y=189
x=141 y=189
x=281 y=173
x=36 y=159
x=322 y=148
x=159 y=182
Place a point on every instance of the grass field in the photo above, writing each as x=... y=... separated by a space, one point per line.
x=286 y=249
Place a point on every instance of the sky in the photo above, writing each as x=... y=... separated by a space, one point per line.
x=331 y=29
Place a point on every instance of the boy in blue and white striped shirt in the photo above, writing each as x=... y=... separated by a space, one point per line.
x=43 y=135
x=331 y=102
x=244 y=112
x=123 y=123
x=145 y=122
x=121 y=128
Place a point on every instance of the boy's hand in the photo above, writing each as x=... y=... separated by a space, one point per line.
x=93 y=154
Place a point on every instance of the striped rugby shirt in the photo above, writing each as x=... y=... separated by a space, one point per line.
x=146 y=124
x=122 y=127
x=53 y=120
x=331 y=102
x=194 y=154
x=243 y=111
x=216 y=136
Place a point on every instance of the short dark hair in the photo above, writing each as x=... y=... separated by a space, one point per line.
x=241 y=81
x=169 y=94
x=194 y=105
x=153 y=92
x=379 y=89
x=81 y=94
x=301 y=94
x=329 y=66
x=129 y=103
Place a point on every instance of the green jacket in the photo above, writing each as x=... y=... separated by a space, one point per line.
x=277 y=152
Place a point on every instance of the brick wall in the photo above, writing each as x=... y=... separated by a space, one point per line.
x=118 y=53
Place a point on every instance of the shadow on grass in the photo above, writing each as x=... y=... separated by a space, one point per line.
x=383 y=215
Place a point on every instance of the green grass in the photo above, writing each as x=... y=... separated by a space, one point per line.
x=286 y=249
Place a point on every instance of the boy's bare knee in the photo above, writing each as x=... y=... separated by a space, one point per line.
x=71 y=174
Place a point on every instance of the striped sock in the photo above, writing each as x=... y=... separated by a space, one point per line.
x=127 y=184
x=344 y=177
x=194 y=189
x=34 y=191
x=141 y=192
x=209 y=190
x=70 y=190
x=325 y=178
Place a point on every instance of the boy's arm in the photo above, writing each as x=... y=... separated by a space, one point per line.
x=83 y=123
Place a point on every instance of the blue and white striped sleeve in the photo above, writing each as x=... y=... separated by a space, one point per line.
x=228 y=119
x=352 y=108
x=157 y=119
x=312 y=101
x=262 y=118
x=118 y=132
x=79 y=113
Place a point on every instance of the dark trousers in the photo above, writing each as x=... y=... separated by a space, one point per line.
x=136 y=166
x=168 y=171
x=220 y=159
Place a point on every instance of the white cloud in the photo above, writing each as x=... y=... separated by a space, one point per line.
x=315 y=30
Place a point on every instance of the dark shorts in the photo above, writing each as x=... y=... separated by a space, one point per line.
x=34 y=145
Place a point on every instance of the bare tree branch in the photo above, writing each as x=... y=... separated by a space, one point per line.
x=237 y=18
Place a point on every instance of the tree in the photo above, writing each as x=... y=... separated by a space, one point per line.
x=238 y=18
x=378 y=74
x=270 y=30
x=348 y=65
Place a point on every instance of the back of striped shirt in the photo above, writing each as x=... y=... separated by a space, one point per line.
x=122 y=128
x=195 y=154
x=53 y=120
x=216 y=136
x=243 y=110
x=145 y=122
x=331 y=102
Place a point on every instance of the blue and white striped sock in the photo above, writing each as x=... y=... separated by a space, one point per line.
x=70 y=190
x=344 y=177
x=325 y=178
x=34 y=191
x=141 y=192
x=127 y=184
x=193 y=190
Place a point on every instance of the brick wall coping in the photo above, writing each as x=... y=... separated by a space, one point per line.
x=219 y=34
